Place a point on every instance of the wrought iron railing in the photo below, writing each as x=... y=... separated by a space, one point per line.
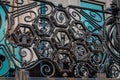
x=59 y=42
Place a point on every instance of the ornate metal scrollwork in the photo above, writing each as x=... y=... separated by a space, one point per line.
x=81 y=70
x=56 y=39
x=112 y=42
x=43 y=26
x=24 y=35
x=44 y=49
x=47 y=68
x=80 y=51
x=61 y=38
x=78 y=30
x=60 y=17
x=112 y=69
x=64 y=60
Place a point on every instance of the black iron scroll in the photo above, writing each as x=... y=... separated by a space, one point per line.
x=58 y=41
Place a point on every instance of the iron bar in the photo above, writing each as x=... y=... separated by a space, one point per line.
x=57 y=43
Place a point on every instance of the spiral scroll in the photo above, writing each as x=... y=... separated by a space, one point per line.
x=56 y=39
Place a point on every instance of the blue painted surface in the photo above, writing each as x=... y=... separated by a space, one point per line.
x=2 y=28
x=6 y=63
x=97 y=17
x=43 y=8
x=14 y=50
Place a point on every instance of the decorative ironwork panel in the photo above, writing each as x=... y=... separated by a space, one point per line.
x=55 y=39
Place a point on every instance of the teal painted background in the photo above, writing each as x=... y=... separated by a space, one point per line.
x=97 y=17
x=8 y=67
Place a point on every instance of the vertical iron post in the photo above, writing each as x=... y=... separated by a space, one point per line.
x=116 y=13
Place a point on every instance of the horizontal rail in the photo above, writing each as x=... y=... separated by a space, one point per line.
x=101 y=11
x=42 y=78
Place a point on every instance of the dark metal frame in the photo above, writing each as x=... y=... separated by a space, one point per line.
x=70 y=56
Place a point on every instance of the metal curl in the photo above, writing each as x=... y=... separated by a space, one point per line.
x=112 y=42
x=112 y=69
x=29 y=18
x=19 y=2
x=60 y=17
x=85 y=58
x=96 y=59
x=46 y=9
x=74 y=13
x=24 y=53
x=81 y=70
x=47 y=68
x=95 y=16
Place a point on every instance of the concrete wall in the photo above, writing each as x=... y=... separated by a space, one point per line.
x=66 y=2
x=77 y=2
x=106 y=3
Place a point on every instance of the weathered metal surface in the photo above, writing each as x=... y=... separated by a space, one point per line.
x=59 y=42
